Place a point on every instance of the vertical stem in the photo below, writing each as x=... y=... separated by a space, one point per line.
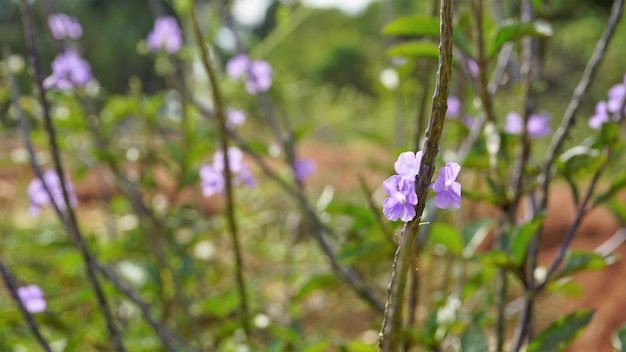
x=230 y=202
x=69 y=218
x=391 y=330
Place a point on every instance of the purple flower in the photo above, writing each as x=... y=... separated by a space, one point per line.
x=165 y=35
x=235 y=117
x=259 y=77
x=211 y=181
x=235 y=160
x=32 y=298
x=408 y=165
x=39 y=197
x=538 y=124
x=473 y=67
x=212 y=177
x=258 y=74
x=68 y=70
x=447 y=189
x=513 y=123
x=601 y=116
x=454 y=107
x=304 y=168
x=237 y=66
x=402 y=198
x=63 y=26
x=617 y=94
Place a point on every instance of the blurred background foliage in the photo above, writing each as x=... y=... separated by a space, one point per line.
x=327 y=81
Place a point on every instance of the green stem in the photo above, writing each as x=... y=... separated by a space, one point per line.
x=230 y=198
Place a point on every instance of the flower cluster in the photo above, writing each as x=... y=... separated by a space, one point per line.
x=258 y=74
x=32 y=298
x=40 y=198
x=63 y=26
x=604 y=109
x=165 y=34
x=538 y=124
x=69 y=69
x=212 y=176
x=400 y=188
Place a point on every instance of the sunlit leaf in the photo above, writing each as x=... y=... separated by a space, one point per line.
x=560 y=334
x=511 y=30
x=579 y=159
x=522 y=237
x=448 y=236
x=617 y=184
x=577 y=261
x=414 y=50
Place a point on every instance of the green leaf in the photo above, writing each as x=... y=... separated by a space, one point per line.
x=414 y=50
x=579 y=159
x=522 y=237
x=474 y=234
x=448 y=236
x=618 y=183
x=577 y=261
x=511 y=29
x=560 y=334
x=473 y=340
x=422 y=26
x=362 y=251
x=496 y=258
x=221 y=304
x=413 y=26
x=619 y=210
x=619 y=339
x=318 y=346
x=316 y=282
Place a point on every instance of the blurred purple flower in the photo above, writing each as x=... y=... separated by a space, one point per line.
x=617 y=94
x=454 y=107
x=39 y=197
x=601 y=116
x=408 y=165
x=32 y=298
x=304 y=169
x=258 y=74
x=259 y=77
x=538 y=124
x=513 y=123
x=212 y=177
x=473 y=67
x=165 y=34
x=211 y=181
x=235 y=117
x=63 y=26
x=235 y=160
x=68 y=70
x=402 y=198
x=447 y=189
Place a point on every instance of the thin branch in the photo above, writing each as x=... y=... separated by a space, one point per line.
x=356 y=283
x=30 y=321
x=572 y=109
x=230 y=198
x=68 y=218
x=580 y=214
